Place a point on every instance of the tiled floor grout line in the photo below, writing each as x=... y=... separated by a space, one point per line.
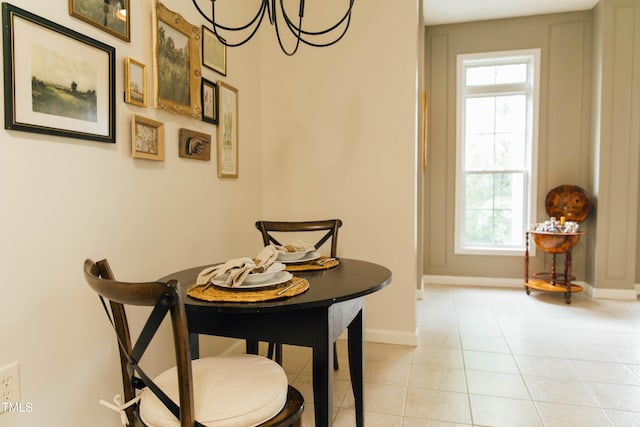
x=486 y=337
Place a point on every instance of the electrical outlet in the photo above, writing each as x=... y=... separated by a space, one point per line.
x=9 y=386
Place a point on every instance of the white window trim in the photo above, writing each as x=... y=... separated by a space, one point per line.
x=532 y=149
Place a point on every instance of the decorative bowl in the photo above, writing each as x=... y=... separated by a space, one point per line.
x=292 y=256
x=556 y=243
x=254 y=278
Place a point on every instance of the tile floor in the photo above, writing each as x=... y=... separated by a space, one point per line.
x=496 y=357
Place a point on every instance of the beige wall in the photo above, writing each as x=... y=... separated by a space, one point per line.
x=564 y=120
x=339 y=140
x=65 y=199
x=339 y=131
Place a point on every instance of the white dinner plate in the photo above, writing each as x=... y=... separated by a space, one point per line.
x=312 y=256
x=280 y=277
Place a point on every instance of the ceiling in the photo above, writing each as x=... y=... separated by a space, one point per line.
x=438 y=12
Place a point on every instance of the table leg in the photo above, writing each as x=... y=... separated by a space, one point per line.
x=356 y=365
x=251 y=347
x=323 y=380
x=194 y=344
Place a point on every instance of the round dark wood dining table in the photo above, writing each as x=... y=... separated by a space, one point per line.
x=316 y=318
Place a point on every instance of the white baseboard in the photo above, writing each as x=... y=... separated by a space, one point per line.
x=386 y=336
x=383 y=336
x=598 y=293
x=619 y=294
x=493 y=282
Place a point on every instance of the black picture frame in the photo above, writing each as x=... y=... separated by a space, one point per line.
x=56 y=80
x=209 y=95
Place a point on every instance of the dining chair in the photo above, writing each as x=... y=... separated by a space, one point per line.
x=237 y=390
x=330 y=227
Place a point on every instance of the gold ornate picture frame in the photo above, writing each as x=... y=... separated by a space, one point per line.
x=228 y=141
x=135 y=82
x=112 y=16
x=176 y=63
x=147 y=138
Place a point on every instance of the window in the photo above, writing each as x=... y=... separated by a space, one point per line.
x=496 y=145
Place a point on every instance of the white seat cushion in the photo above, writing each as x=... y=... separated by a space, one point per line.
x=229 y=391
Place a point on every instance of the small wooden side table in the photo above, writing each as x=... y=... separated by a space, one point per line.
x=553 y=281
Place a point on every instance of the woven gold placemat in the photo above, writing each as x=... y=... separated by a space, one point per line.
x=313 y=265
x=215 y=293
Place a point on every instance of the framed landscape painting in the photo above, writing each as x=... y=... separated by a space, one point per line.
x=111 y=16
x=176 y=57
x=135 y=82
x=56 y=81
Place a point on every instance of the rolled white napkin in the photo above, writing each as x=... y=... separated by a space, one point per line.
x=238 y=268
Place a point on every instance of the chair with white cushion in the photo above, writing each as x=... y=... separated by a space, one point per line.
x=225 y=391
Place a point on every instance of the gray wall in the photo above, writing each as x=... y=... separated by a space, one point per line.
x=616 y=146
x=565 y=41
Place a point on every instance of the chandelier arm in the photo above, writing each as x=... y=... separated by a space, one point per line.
x=259 y=16
x=275 y=24
x=292 y=26
x=297 y=31
x=336 y=40
x=211 y=20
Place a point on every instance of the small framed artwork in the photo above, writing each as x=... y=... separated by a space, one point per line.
x=111 y=16
x=214 y=53
x=135 y=82
x=56 y=81
x=227 y=131
x=147 y=138
x=209 y=101
x=194 y=145
x=176 y=63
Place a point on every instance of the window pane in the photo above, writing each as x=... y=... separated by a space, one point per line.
x=502 y=227
x=510 y=207
x=492 y=74
x=494 y=210
x=512 y=73
x=503 y=191
x=478 y=76
x=478 y=153
x=509 y=151
x=479 y=191
x=478 y=227
x=480 y=115
x=497 y=102
x=511 y=113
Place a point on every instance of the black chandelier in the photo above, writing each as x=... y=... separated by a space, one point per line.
x=321 y=38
